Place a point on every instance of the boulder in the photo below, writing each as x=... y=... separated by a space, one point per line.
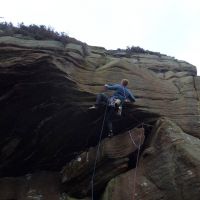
x=99 y=164
x=168 y=168
x=40 y=185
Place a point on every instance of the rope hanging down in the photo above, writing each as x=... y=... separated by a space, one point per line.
x=95 y=163
x=135 y=174
x=100 y=137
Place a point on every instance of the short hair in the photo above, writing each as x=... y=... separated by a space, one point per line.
x=124 y=82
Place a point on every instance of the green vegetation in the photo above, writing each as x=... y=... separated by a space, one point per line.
x=38 y=32
x=41 y=32
x=133 y=50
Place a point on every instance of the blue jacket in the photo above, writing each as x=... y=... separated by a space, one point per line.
x=121 y=92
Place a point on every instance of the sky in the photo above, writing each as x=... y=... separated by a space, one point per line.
x=170 y=27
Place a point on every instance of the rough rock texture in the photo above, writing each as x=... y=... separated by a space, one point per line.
x=46 y=88
x=112 y=158
x=42 y=185
x=168 y=169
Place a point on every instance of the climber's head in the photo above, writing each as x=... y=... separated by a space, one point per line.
x=124 y=82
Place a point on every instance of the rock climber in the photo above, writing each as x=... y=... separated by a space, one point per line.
x=122 y=94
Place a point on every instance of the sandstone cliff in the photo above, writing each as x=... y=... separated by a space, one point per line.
x=46 y=88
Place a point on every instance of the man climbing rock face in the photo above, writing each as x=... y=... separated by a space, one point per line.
x=122 y=94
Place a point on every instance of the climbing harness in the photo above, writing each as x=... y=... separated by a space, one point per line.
x=98 y=148
x=113 y=101
x=110 y=102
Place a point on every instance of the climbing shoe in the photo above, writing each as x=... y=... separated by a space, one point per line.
x=110 y=134
x=93 y=107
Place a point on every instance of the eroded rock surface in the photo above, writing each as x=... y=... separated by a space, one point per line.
x=168 y=169
x=46 y=88
x=41 y=185
x=100 y=164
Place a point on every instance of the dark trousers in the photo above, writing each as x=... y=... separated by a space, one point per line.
x=103 y=99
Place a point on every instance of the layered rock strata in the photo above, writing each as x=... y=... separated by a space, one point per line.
x=98 y=165
x=46 y=88
x=168 y=168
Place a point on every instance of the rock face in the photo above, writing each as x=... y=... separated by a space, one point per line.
x=41 y=185
x=168 y=169
x=46 y=88
x=97 y=166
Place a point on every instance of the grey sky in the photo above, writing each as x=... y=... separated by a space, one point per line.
x=171 y=27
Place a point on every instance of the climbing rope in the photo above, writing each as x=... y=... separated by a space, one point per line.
x=132 y=139
x=100 y=137
x=137 y=160
x=98 y=148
